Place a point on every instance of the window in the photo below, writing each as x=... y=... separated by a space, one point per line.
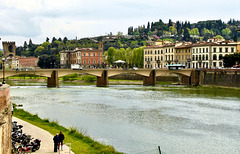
x=220 y=57
x=89 y=61
x=232 y=49
x=151 y=58
x=203 y=57
x=176 y=58
x=155 y=52
x=93 y=54
x=182 y=57
x=98 y=61
x=197 y=50
x=200 y=50
x=145 y=52
x=214 y=57
x=196 y=57
x=148 y=51
x=214 y=49
x=94 y=61
x=155 y=58
x=145 y=58
x=172 y=49
x=206 y=57
x=193 y=50
x=185 y=50
x=179 y=57
x=161 y=51
x=203 y=50
x=226 y=49
x=206 y=50
x=193 y=58
x=84 y=62
x=151 y=51
x=99 y=54
x=158 y=52
x=220 y=49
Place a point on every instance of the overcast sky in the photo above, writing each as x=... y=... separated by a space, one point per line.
x=21 y=20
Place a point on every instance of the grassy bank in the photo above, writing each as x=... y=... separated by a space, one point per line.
x=79 y=142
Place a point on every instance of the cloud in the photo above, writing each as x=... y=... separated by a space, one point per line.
x=38 y=19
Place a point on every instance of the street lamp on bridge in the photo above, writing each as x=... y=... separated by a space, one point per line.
x=3 y=67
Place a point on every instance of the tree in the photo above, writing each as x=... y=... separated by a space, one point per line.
x=218 y=37
x=25 y=46
x=186 y=35
x=47 y=39
x=54 y=39
x=38 y=51
x=226 y=32
x=110 y=55
x=231 y=60
x=65 y=40
x=48 y=61
x=172 y=30
x=30 y=44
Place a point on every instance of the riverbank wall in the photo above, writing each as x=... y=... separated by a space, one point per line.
x=220 y=77
x=5 y=120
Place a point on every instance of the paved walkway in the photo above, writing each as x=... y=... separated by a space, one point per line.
x=45 y=137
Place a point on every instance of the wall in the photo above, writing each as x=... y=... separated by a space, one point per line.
x=5 y=120
x=221 y=77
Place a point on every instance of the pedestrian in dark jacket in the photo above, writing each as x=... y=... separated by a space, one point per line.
x=56 y=142
x=61 y=138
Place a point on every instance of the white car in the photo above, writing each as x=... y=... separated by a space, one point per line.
x=135 y=68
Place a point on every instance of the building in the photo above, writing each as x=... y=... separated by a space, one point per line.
x=210 y=54
x=26 y=63
x=86 y=57
x=158 y=56
x=183 y=54
x=199 y=55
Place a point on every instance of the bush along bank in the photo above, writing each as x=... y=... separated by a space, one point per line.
x=79 y=142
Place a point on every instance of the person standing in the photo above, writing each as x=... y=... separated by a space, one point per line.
x=56 y=142
x=61 y=138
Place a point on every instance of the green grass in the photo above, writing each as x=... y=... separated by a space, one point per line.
x=79 y=142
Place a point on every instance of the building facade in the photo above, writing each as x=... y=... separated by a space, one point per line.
x=199 y=55
x=86 y=57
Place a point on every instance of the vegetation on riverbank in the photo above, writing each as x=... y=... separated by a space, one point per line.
x=79 y=142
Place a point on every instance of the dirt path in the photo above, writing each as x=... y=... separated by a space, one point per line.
x=45 y=137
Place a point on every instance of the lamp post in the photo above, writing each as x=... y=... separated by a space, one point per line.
x=3 y=67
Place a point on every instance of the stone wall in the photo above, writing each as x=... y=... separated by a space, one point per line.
x=5 y=120
x=220 y=77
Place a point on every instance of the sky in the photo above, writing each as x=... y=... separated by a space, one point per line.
x=21 y=20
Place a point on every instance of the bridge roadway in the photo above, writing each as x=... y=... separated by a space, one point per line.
x=187 y=76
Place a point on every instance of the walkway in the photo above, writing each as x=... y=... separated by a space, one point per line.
x=45 y=137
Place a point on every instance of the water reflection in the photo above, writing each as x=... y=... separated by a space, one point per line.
x=137 y=119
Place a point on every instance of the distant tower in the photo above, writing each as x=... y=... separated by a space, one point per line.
x=100 y=46
x=9 y=49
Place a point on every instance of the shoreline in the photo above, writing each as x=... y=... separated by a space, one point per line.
x=79 y=142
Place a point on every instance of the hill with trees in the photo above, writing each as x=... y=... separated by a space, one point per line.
x=48 y=51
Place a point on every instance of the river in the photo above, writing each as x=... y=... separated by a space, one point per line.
x=138 y=119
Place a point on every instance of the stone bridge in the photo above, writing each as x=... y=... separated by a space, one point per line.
x=187 y=76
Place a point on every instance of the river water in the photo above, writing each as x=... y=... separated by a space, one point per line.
x=138 y=119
